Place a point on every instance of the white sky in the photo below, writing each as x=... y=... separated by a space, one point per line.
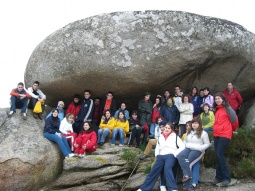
x=26 y=23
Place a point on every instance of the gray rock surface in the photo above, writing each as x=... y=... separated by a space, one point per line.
x=247 y=113
x=27 y=160
x=132 y=52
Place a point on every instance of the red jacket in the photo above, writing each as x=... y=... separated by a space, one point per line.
x=73 y=109
x=89 y=139
x=155 y=114
x=222 y=126
x=234 y=99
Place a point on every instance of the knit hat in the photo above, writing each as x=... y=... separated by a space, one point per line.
x=61 y=102
x=162 y=123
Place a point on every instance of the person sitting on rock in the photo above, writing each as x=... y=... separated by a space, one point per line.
x=75 y=106
x=121 y=127
x=66 y=128
x=196 y=142
x=61 y=113
x=37 y=95
x=19 y=99
x=136 y=130
x=52 y=133
x=168 y=147
x=122 y=108
x=105 y=128
x=86 y=141
x=152 y=142
x=207 y=118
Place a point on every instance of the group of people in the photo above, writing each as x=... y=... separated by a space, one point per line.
x=87 y=123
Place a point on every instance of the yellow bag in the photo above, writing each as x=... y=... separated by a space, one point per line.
x=38 y=107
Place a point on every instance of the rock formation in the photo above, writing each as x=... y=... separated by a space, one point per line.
x=28 y=161
x=132 y=52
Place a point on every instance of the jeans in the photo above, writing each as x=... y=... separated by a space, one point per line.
x=118 y=132
x=222 y=171
x=135 y=133
x=163 y=165
x=195 y=172
x=102 y=135
x=152 y=130
x=18 y=103
x=61 y=141
x=187 y=158
x=182 y=129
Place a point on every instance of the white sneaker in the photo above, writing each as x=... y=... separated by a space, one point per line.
x=24 y=116
x=139 y=189
x=120 y=145
x=11 y=113
x=81 y=155
x=163 y=188
x=112 y=145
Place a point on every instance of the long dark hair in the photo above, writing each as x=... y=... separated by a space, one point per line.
x=225 y=103
x=123 y=117
x=90 y=127
x=200 y=128
x=105 y=119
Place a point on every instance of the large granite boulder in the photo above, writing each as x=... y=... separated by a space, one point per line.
x=131 y=52
x=28 y=161
x=247 y=113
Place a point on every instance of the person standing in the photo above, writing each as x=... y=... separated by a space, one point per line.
x=208 y=98
x=85 y=113
x=108 y=103
x=233 y=96
x=75 y=106
x=155 y=114
x=186 y=110
x=177 y=96
x=19 y=99
x=195 y=101
x=96 y=114
x=36 y=95
x=144 y=114
x=225 y=123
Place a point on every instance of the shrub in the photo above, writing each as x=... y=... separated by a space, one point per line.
x=130 y=157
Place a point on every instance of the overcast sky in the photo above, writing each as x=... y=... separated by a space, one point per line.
x=26 y=23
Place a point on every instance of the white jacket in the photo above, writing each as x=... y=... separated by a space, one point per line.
x=41 y=95
x=65 y=126
x=168 y=146
x=192 y=142
x=186 y=112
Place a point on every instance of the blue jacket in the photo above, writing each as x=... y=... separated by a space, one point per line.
x=86 y=112
x=170 y=114
x=52 y=125
x=126 y=113
x=195 y=103
x=61 y=114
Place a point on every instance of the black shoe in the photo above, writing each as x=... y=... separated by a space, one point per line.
x=40 y=116
x=142 y=157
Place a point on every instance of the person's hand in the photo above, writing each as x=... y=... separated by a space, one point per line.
x=59 y=134
x=69 y=132
x=41 y=99
x=84 y=147
x=154 y=105
x=22 y=96
x=137 y=126
x=88 y=141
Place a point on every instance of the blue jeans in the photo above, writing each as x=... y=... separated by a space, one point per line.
x=152 y=130
x=195 y=172
x=102 y=134
x=164 y=163
x=118 y=132
x=62 y=142
x=187 y=158
x=222 y=171
x=18 y=103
